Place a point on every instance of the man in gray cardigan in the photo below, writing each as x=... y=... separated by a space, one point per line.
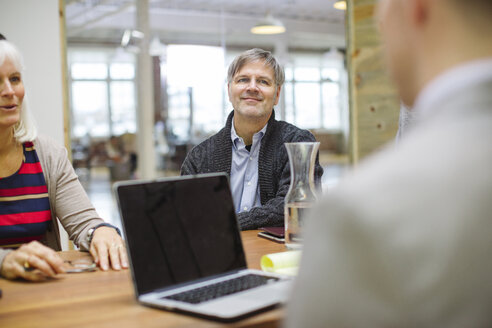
x=250 y=148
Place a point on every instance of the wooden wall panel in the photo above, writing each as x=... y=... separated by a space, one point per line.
x=374 y=104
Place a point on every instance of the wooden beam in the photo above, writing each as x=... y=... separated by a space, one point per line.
x=374 y=103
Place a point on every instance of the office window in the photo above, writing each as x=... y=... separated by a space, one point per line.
x=198 y=100
x=307 y=105
x=89 y=71
x=122 y=100
x=331 y=105
x=102 y=93
x=89 y=105
x=312 y=91
x=179 y=112
x=123 y=71
x=195 y=77
x=288 y=94
x=306 y=74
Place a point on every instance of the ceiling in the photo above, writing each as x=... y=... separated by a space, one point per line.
x=311 y=24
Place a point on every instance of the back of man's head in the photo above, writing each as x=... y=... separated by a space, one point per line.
x=254 y=55
x=424 y=38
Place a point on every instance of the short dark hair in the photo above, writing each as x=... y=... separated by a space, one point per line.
x=477 y=12
x=2 y=37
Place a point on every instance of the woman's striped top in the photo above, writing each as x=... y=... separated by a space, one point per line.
x=24 y=204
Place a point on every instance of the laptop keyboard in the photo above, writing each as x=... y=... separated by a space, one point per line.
x=222 y=288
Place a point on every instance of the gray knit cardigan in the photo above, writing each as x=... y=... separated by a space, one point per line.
x=215 y=155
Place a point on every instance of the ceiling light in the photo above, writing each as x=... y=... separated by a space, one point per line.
x=340 y=5
x=129 y=36
x=268 y=25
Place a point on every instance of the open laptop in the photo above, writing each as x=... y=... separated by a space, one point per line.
x=185 y=249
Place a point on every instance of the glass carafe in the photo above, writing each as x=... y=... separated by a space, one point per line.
x=302 y=194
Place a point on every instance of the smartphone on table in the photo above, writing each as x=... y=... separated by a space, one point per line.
x=275 y=234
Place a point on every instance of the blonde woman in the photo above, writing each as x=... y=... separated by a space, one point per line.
x=38 y=186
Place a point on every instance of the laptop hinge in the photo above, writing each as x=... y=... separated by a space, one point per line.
x=198 y=281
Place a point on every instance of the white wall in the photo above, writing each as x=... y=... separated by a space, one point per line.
x=34 y=27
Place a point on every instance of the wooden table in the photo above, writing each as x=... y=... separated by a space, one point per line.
x=106 y=299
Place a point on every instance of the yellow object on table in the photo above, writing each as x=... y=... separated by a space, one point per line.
x=283 y=263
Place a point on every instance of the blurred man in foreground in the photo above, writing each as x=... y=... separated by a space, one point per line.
x=405 y=241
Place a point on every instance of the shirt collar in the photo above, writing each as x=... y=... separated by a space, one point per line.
x=451 y=81
x=238 y=142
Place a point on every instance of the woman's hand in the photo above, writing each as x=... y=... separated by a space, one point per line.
x=108 y=247
x=32 y=261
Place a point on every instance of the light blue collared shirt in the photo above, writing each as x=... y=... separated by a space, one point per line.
x=244 y=171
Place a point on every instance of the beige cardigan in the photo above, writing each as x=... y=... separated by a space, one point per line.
x=68 y=200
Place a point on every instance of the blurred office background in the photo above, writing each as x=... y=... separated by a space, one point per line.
x=143 y=81
x=190 y=45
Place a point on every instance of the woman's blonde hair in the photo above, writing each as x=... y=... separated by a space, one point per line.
x=25 y=129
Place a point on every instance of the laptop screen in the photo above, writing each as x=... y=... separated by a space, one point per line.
x=180 y=229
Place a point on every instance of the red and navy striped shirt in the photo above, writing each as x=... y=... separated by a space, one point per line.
x=24 y=204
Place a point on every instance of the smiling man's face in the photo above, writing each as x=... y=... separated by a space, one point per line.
x=253 y=91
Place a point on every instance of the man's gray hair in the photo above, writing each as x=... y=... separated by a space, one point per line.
x=253 y=55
